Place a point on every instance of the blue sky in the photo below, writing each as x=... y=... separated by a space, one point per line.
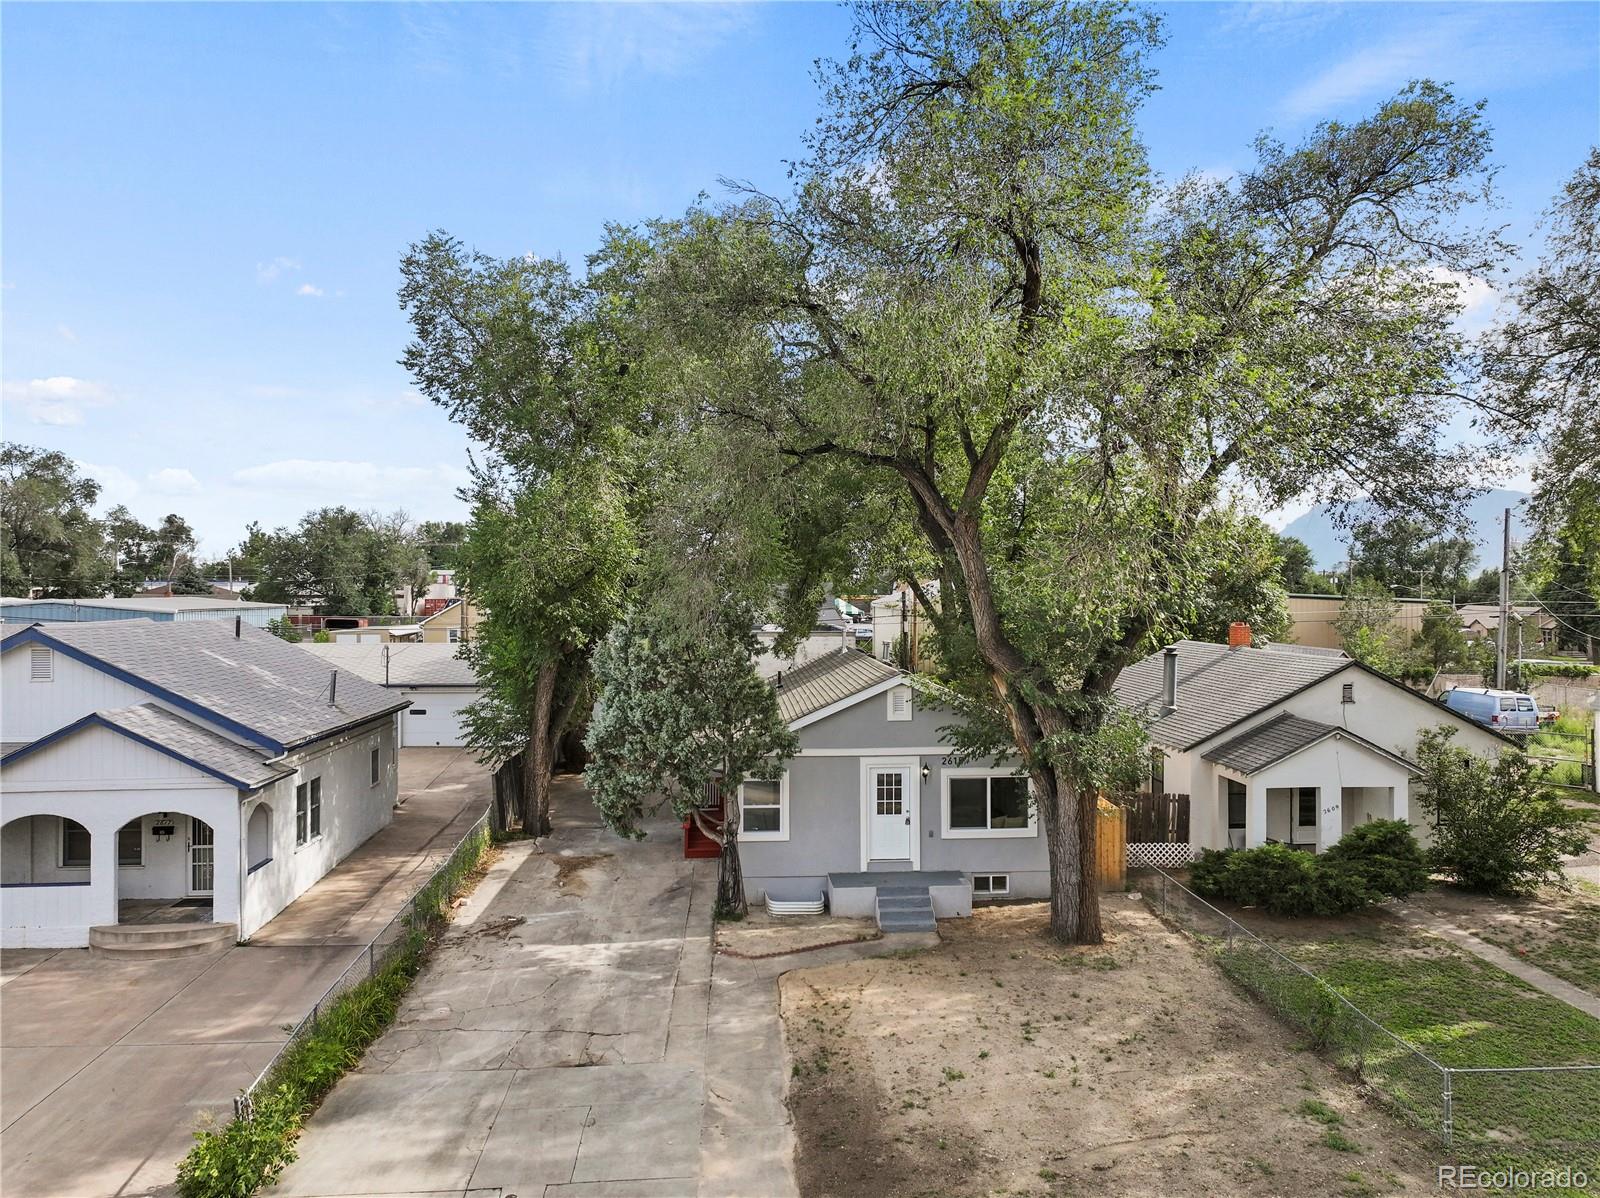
x=205 y=205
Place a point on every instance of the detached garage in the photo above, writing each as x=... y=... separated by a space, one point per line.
x=437 y=682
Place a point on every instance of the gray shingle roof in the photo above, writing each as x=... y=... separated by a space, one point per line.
x=1266 y=743
x=200 y=745
x=417 y=663
x=1281 y=736
x=827 y=679
x=1217 y=687
x=253 y=680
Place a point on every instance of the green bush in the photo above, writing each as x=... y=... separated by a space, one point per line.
x=1384 y=855
x=1377 y=860
x=1497 y=826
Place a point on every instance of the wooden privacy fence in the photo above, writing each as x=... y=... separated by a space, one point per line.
x=1157 y=829
x=1111 y=846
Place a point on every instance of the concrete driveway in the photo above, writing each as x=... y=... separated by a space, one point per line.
x=107 y=1067
x=557 y=1044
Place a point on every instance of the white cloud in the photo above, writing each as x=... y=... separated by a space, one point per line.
x=596 y=46
x=58 y=400
x=66 y=332
x=173 y=480
x=324 y=481
x=1480 y=301
x=308 y=289
x=268 y=272
x=116 y=484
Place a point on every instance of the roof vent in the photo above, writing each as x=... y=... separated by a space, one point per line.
x=1169 y=680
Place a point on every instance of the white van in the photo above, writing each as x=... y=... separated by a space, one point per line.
x=1505 y=711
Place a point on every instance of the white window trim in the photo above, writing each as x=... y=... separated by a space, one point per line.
x=1316 y=819
x=61 y=846
x=783 y=814
x=991 y=893
x=984 y=833
x=374 y=776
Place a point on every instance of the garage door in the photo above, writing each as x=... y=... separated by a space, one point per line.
x=434 y=718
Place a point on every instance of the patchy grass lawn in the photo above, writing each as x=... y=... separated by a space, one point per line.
x=1557 y=930
x=1461 y=1011
x=1564 y=740
x=1003 y=1063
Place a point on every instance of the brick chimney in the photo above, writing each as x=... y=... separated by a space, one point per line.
x=1239 y=635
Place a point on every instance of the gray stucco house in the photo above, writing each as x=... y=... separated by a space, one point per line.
x=872 y=793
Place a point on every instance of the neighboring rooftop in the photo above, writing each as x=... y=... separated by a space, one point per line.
x=253 y=681
x=153 y=603
x=399 y=664
x=826 y=680
x=1283 y=736
x=1218 y=686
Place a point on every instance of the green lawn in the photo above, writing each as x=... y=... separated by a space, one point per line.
x=1568 y=737
x=1563 y=940
x=1462 y=1012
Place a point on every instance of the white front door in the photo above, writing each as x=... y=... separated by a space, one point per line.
x=891 y=798
x=202 y=857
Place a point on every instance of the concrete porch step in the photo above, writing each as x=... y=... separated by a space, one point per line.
x=160 y=941
x=905 y=909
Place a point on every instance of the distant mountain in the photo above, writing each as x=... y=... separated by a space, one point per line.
x=1330 y=546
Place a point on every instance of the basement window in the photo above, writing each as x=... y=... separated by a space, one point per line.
x=988 y=886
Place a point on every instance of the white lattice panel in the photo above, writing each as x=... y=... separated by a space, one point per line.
x=1167 y=856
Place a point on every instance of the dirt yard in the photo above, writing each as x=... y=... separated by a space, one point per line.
x=1557 y=930
x=761 y=935
x=1002 y=1063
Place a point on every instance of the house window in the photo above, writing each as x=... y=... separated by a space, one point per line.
x=1236 y=804
x=1158 y=772
x=990 y=885
x=130 y=843
x=453 y=635
x=1348 y=695
x=301 y=797
x=900 y=703
x=886 y=651
x=307 y=811
x=764 y=809
x=375 y=766
x=41 y=664
x=316 y=808
x=74 y=844
x=1306 y=807
x=986 y=803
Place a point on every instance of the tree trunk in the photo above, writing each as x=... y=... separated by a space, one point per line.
x=1069 y=829
x=540 y=758
x=730 y=871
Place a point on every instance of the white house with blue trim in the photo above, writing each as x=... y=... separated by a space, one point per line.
x=178 y=773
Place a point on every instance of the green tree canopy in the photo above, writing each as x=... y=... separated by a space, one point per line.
x=49 y=537
x=1409 y=557
x=336 y=560
x=978 y=313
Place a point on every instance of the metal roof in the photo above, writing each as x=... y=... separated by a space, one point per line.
x=157 y=603
x=170 y=733
x=1218 y=686
x=252 y=683
x=1283 y=736
x=828 y=679
x=414 y=663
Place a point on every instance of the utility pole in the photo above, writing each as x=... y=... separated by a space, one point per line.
x=1505 y=605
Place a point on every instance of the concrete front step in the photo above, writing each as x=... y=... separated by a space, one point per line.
x=905 y=909
x=160 y=941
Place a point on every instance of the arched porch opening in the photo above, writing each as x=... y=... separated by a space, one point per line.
x=166 y=869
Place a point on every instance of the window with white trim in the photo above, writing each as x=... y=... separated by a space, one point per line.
x=302 y=801
x=1306 y=800
x=900 y=703
x=987 y=886
x=979 y=802
x=41 y=664
x=764 y=809
x=316 y=808
x=375 y=766
x=453 y=635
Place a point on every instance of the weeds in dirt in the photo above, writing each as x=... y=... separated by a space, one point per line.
x=953 y=1075
x=1335 y=1139
x=1315 y=1108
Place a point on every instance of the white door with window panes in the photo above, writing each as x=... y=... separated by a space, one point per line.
x=891 y=802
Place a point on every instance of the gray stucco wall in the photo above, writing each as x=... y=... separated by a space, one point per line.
x=826 y=803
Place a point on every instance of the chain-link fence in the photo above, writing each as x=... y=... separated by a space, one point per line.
x=1503 y=1110
x=407 y=930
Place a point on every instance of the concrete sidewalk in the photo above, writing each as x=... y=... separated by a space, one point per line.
x=556 y=1043
x=106 y=1067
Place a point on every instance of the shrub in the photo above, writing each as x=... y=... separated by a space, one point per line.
x=1497 y=827
x=1377 y=860
x=1384 y=855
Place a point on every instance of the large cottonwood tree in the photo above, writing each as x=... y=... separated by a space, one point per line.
x=978 y=310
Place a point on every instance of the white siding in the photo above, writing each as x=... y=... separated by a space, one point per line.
x=352 y=810
x=35 y=709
